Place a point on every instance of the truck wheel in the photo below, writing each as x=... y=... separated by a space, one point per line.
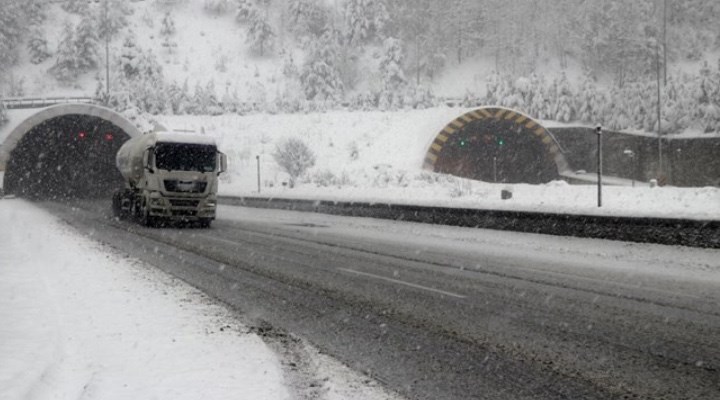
x=116 y=210
x=205 y=223
x=144 y=215
x=120 y=197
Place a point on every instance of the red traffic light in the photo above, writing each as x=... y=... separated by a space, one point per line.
x=109 y=136
x=82 y=135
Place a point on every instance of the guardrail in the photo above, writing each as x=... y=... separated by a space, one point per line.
x=15 y=103
x=668 y=231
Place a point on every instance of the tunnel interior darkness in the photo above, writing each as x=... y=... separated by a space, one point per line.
x=497 y=150
x=70 y=156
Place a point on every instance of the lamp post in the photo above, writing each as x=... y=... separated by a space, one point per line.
x=598 y=131
x=631 y=156
x=495 y=169
x=258 y=172
x=655 y=41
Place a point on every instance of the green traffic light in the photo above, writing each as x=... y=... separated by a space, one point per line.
x=501 y=142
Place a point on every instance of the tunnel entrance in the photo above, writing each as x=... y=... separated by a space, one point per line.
x=496 y=145
x=66 y=156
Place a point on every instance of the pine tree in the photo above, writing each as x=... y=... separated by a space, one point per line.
x=130 y=58
x=86 y=44
x=167 y=31
x=38 y=46
x=79 y=7
x=168 y=25
x=320 y=77
x=393 y=77
x=260 y=35
x=365 y=20
x=308 y=17
x=537 y=106
x=111 y=18
x=244 y=10
x=35 y=12
x=3 y=113
x=564 y=110
x=213 y=105
x=218 y=7
x=11 y=31
x=66 y=66
x=588 y=101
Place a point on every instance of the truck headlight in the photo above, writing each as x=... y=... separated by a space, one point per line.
x=156 y=201
x=211 y=203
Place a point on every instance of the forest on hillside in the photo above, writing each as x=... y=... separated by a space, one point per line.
x=623 y=47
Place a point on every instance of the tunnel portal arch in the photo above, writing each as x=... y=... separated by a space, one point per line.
x=496 y=144
x=66 y=150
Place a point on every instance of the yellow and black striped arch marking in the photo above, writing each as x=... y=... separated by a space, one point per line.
x=459 y=123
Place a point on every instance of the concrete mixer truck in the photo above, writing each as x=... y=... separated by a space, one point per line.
x=168 y=177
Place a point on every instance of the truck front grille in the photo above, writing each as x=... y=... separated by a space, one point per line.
x=184 y=203
x=173 y=185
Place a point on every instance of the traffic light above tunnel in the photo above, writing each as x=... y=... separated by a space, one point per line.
x=495 y=144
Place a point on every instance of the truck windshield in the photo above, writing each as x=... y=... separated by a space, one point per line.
x=185 y=157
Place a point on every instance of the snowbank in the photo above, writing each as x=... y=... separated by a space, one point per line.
x=377 y=157
x=78 y=322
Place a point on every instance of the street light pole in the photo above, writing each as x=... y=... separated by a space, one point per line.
x=495 y=169
x=107 y=54
x=258 y=172
x=659 y=105
x=598 y=130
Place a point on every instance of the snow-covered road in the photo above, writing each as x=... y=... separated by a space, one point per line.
x=80 y=321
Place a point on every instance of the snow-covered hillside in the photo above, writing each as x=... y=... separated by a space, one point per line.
x=237 y=56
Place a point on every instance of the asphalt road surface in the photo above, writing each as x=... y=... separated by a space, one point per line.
x=454 y=313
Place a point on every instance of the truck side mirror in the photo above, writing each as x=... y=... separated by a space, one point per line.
x=223 y=163
x=149 y=160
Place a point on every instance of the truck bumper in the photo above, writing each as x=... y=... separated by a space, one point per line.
x=187 y=209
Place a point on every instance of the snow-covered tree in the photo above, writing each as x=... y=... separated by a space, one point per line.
x=16 y=86
x=294 y=157
x=168 y=25
x=130 y=56
x=320 y=77
x=86 y=44
x=244 y=9
x=564 y=109
x=365 y=20
x=11 y=31
x=167 y=31
x=3 y=113
x=38 y=46
x=66 y=65
x=260 y=35
x=290 y=70
x=308 y=17
x=75 y=6
x=35 y=11
x=393 y=78
x=218 y=7
x=589 y=101
x=111 y=18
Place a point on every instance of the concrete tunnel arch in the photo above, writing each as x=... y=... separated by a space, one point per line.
x=496 y=144
x=66 y=150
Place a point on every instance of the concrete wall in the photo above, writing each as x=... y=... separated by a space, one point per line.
x=687 y=162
